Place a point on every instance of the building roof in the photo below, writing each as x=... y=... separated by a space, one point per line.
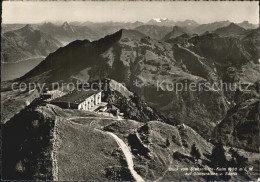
x=76 y=97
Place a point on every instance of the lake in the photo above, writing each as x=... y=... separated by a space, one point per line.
x=11 y=71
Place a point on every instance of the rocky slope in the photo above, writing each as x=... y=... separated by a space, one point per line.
x=240 y=127
x=229 y=55
x=155 y=144
x=181 y=39
x=26 y=43
x=251 y=39
x=131 y=104
x=161 y=150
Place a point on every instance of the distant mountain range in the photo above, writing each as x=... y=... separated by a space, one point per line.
x=210 y=27
x=104 y=28
x=68 y=32
x=161 y=22
x=26 y=43
x=169 y=23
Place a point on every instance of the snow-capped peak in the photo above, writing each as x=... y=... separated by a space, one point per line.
x=160 y=19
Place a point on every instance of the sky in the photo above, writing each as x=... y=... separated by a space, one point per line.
x=202 y=12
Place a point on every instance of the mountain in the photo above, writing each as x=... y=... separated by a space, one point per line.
x=154 y=31
x=227 y=53
x=75 y=23
x=11 y=27
x=176 y=31
x=125 y=25
x=141 y=63
x=189 y=24
x=106 y=28
x=26 y=43
x=251 y=39
x=67 y=28
x=68 y=32
x=231 y=29
x=241 y=126
x=161 y=22
x=247 y=25
x=164 y=113
x=129 y=56
x=181 y=39
x=241 y=123
x=51 y=139
x=210 y=27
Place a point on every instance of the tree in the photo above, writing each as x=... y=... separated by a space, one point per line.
x=195 y=152
x=218 y=157
x=237 y=160
x=219 y=160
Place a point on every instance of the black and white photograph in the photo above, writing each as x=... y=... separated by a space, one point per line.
x=156 y=91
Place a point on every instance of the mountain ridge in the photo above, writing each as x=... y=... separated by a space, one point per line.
x=231 y=29
x=176 y=31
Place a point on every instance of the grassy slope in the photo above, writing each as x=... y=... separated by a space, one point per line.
x=86 y=153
